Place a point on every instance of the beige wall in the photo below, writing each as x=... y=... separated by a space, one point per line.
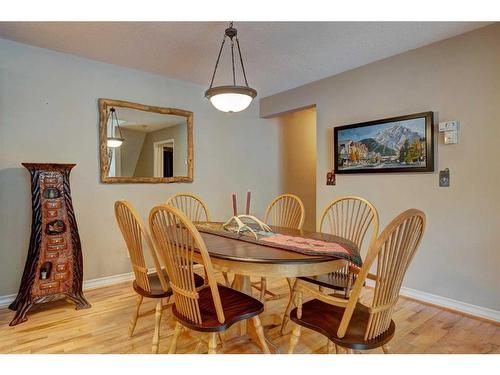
x=298 y=159
x=48 y=113
x=459 y=79
x=145 y=166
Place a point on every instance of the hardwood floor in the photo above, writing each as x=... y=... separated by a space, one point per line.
x=58 y=328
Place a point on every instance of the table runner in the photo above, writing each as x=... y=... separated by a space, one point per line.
x=339 y=248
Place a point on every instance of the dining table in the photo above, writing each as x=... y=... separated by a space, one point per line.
x=246 y=259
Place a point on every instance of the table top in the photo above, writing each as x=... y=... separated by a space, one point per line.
x=242 y=251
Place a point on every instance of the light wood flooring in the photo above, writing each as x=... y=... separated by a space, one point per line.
x=58 y=328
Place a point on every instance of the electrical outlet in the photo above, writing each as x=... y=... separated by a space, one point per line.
x=444 y=178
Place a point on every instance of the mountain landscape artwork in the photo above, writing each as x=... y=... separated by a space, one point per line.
x=391 y=145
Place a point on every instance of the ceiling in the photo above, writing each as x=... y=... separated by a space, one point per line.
x=277 y=55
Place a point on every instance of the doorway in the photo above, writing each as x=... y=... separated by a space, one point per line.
x=164 y=158
x=298 y=155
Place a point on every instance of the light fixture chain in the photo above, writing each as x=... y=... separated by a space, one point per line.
x=217 y=62
x=117 y=124
x=232 y=61
x=241 y=60
x=110 y=113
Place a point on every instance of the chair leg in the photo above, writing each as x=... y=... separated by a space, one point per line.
x=336 y=348
x=386 y=349
x=329 y=346
x=226 y=279
x=260 y=334
x=222 y=337
x=198 y=347
x=286 y=316
x=156 y=336
x=263 y=287
x=133 y=321
x=294 y=339
x=177 y=332
x=212 y=343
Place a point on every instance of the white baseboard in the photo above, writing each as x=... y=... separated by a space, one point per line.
x=6 y=300
x=467 y=308
x=87 y=285
x=108 y=280
x=452 y=304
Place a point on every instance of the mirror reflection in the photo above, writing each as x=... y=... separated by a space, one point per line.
x=145 y=144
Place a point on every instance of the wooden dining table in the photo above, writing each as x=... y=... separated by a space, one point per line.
x=247 y=259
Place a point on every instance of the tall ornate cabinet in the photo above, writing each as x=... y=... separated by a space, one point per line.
x=54 y=266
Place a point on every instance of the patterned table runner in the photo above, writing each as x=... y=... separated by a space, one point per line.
x=337 y=247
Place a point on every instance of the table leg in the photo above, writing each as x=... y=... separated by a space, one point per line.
x=242 y=283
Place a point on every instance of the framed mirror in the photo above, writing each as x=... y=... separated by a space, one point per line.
x=144 y=144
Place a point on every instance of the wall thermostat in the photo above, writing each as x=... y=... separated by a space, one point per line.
x=450 y=130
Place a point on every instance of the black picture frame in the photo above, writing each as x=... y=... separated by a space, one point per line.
x=370 y=167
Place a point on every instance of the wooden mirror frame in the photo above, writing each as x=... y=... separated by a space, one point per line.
x=103 y=149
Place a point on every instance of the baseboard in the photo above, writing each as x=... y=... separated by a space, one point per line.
x=87 y=285
x=433 y=299
x=7 y=300
x=448 y=303
x=108 y=280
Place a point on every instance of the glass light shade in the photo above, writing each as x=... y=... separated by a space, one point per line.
x=114 y=142
x=231 y=98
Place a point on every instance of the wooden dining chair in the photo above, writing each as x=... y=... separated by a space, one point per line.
x=146 y=284
x=349 y=323
x=191 y=205
x=286 y=211
x=211 y=308
x=348 y=217
x=195 y=209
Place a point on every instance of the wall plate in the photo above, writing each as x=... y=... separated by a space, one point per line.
x=444 y=178
x=448 y=126
x=330 y=178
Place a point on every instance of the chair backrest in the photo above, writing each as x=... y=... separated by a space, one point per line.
x=287 y=211
x=191 y=205
x=177 y=240
x=350 y=217
x=135 y=235
x=393 y=251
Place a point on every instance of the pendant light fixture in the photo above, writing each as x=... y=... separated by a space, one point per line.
x=112 y=141
x=230 y=98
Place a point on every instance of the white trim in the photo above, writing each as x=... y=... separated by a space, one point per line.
x=452 y=304
x=467 y=308
x=87 y=285
x=108 y=280
x=6 y=300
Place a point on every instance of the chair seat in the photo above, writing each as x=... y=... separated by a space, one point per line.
x=333 y=280
x=156 y=288
x=325 y=319
x=237 y=306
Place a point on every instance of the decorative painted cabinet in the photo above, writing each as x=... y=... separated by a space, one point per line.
x=54 y=266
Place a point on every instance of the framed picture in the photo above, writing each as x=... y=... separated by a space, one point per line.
x=397 y=144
